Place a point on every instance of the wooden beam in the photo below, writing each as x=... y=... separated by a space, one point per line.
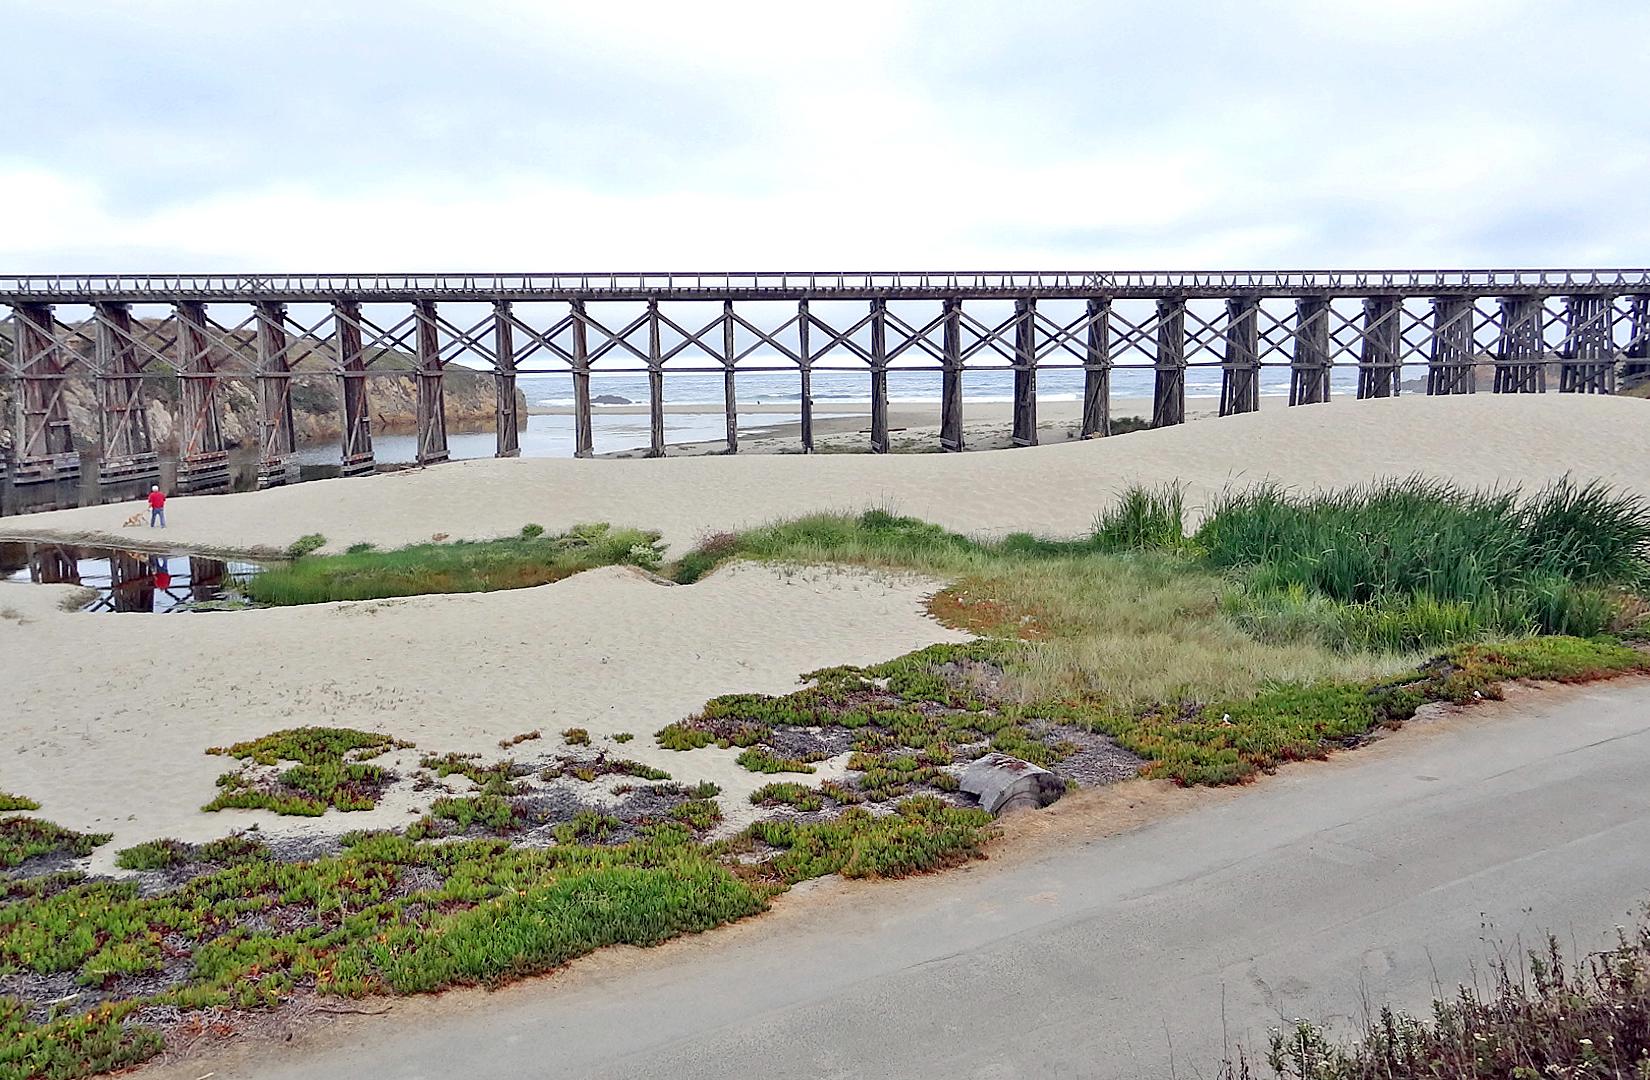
x=352 y=374
x=432 y=398
x=951 y=378
x=1520 y=350
x=879 y=376
x=1240 y=367
x=1169 y=375
x=126 y=451
x=1097 y=371
x=45 y=444
x=203 y=461
x=1025 y=372
x=1587 y=362
x=1379 y=370
x=805 y=363
x=1636 y=365
x=584 y=433
x=655 y=383
x=1309 y=367
x=730 y=391
x=1452 y=367
x=277 y=430
x=506 y=421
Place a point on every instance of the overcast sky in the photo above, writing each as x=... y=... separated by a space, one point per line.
x=152 y=135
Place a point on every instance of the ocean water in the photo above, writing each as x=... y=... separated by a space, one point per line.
x=552 y=436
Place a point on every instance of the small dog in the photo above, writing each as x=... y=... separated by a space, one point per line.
x=133 y=522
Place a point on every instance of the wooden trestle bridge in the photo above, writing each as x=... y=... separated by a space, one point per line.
x=1529 y=329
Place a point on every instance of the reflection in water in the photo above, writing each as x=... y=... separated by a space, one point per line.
x=125 y=580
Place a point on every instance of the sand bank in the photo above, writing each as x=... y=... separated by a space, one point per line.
x=108 y=717
x=1054 y=490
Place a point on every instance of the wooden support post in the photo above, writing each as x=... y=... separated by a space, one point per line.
x=1309 y=368
x=277 y=433
x=1588 y=359
x=1636 y=365
x=352 y=375
x=1520 y=350
x=203 y=461
x=506 y=421
x=44 y=453
x=1379 y=370
x=1240 y=370
x=126 y=452
x=1169 y=382
x=951 y=376
x=1025 y=372
x=806 y=362
x=432 y=400
x=655 y=383
x=1096 y=421
x=584 y=434
x=730 y=390
x=1452 y=367
x=879 y=376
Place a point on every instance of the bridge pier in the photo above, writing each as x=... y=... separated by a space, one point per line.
x=432 y=395
x=1520 y=351
x=1025 y=372
x=277 y=433
x=203 y=461
x=1380 y=371
x=1587 y=363
x=352 y=374
x=1097 y=371
x=584 y=438
x=1309 y=367
x=879 y=376
x=45 y=469
x=1240 y=372
x=506 y=422
x=127 y=463
x=730 y=388
x=805 y=376
x=1169 y=371
x=1452 y=368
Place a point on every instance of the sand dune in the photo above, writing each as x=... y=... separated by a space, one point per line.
x=1052 y=490
x=107 y=717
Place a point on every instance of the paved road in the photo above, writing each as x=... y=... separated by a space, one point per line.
x=1364 y=879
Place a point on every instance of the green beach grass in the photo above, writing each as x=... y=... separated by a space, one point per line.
x=518 y=562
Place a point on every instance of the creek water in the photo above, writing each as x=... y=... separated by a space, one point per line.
x=124 y=580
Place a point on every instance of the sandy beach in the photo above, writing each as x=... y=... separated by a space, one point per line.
x=108 y=716
x=1054 y=490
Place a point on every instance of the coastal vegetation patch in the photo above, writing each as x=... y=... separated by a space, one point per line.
x=24 y=838
x=330 y=771
x=393 y=915
x=10 y=802
x=517 y=562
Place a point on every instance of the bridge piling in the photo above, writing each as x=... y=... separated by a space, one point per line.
x=1379 y=368
x=1452 y=368
x=879 y=376
x=655 y=383
x=951 y=376
x=805 y=376
x=506 y=422
x=1025 y=372
x=1097 y=370
x=730 y=388
x=432 y=398
x=1587 y=363
x=45 y=468
x=277 y=433
x=1169 y=375
x=126 y=454
x=1520 y=352
x=352 y=375
x=1240 y=369
x=1309 y=368
x=584 y=438
x=1636 y=355
x=203 y=460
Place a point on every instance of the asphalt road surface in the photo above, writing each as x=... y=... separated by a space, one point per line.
x=1375 y=877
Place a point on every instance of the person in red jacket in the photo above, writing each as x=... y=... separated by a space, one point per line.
x=157 y=507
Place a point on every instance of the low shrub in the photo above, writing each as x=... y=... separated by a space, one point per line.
x=9 y=802
x=26 y=838
x=304 y=545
